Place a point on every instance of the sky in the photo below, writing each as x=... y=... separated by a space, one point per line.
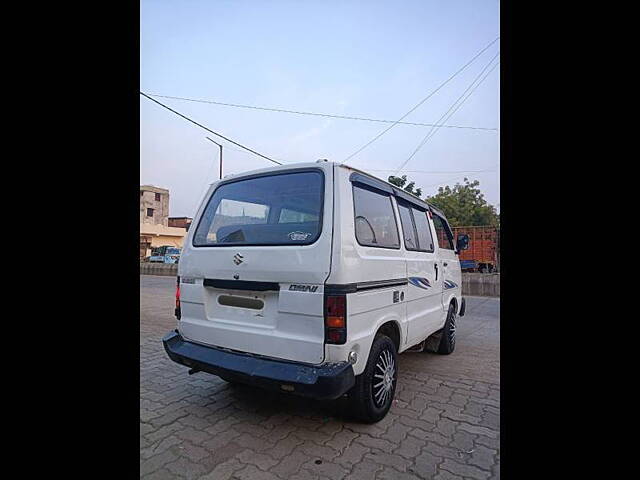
x=374 y=59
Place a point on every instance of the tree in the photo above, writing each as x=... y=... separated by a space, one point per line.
x=464 y=205
x=409 y=188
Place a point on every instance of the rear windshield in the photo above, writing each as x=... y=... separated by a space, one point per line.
x=282 y=209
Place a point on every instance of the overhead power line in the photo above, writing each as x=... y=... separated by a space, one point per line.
x=457 y=176
x=454 y=107
x=316 y=114
x=422 y=101
x=425 y=171
x=209 y=130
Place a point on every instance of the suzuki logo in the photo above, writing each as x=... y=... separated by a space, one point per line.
x=238 y=259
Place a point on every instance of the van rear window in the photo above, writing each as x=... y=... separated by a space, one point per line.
x=279 y=209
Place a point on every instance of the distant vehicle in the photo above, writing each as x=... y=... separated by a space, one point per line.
x=310 y=279
x=483 y=254
x=165 y=254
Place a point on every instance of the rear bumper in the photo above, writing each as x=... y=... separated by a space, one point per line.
x=326 y=382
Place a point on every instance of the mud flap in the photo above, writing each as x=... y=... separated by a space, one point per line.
x=432 y=343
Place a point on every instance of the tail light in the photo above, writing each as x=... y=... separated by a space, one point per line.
x=177 y=311
x=335 y=319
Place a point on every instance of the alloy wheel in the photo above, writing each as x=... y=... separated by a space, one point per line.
x=384 y=377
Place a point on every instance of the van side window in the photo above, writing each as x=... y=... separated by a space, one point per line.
x=442 y=233
x=374 y=219
x=425 y=240
x=410 y=239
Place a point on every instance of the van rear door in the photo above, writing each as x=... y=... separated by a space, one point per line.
x=253 y=268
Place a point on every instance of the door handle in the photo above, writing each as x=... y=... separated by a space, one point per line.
x=445 y=264
x=435 y=265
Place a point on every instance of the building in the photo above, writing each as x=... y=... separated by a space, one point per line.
x=154 y=205
x=181 y=222
x=155 y=230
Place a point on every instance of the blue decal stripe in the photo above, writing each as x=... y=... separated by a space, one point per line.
x=449 y=284
x=420 y=282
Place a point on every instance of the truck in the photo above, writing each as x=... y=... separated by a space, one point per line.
x=483 y=254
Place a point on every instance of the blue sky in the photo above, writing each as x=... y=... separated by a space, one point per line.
x=360 y=58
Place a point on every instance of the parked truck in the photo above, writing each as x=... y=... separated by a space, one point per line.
x=483 y=254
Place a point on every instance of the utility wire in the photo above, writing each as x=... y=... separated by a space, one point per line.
x=209 y=130
x=327 y=115
x=421 y=101
x=455 y=106
x=457 y=176
x=426 y=171
x=428 y=137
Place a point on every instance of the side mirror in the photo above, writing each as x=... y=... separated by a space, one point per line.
x=463 y=242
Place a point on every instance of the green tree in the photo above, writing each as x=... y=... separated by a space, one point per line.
x=402 y=183
x=464 y=205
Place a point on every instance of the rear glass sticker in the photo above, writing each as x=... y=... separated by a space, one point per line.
x=299 y=235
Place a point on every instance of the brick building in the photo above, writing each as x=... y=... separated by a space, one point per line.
x=181 y=222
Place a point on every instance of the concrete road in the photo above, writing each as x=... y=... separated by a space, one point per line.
x=444 y=424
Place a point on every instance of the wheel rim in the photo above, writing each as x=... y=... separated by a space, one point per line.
x=452 y=329
x=384 y=376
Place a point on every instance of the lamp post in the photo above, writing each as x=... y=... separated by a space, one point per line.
x=220 y=154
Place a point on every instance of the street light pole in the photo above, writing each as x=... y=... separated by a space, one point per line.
x=220 y=154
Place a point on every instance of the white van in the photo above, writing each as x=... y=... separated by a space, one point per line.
x=310 y=278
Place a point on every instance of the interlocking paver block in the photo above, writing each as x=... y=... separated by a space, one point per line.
x=284 y=447
x=410 y=447
x=463 y=441
x=320 y=451
x=464 y=470
x=262 y=461
x=326 y=469
x=154 y=463
x=341 y=440
x=192 y=435
x=444 y=475
x=187 y=468
x=391 y=474
x=426 y=465
x=291 y=463
x=160 y=446
x=487 y=432
x=396 y=433
x=352 y=455
x=193 y=452
x=365 y=471
x=395 y=461
x=483 y=457
x=224 y=470
x=218 y=441
x=379 y=443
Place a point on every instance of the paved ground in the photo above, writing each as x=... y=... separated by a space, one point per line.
x=444 y=423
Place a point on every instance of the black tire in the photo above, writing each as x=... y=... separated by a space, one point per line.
x=448 y=337
x=369 y=401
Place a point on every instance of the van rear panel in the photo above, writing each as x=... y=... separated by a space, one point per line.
x=255 y=262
